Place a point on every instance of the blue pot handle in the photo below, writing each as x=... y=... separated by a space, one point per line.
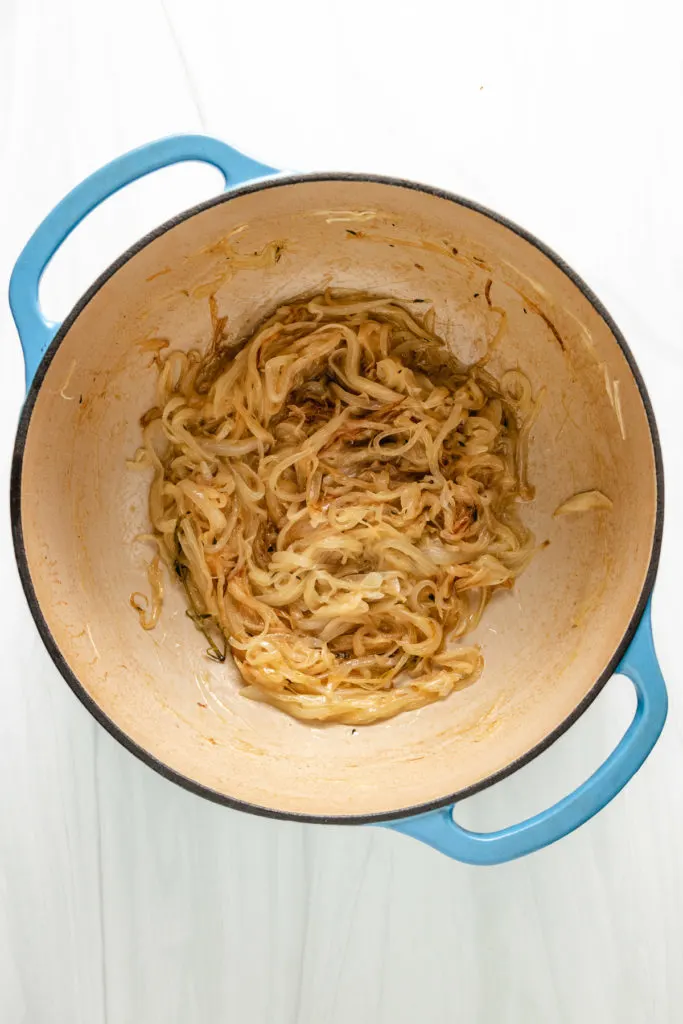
x=34 y=331
x=438 y=829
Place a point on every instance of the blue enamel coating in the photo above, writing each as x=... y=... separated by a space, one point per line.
x=435 y=828
x=438 y=829
x=35 y=332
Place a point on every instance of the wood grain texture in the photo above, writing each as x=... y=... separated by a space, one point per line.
x=124 y=900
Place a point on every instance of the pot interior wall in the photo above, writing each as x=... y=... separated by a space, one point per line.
x=545 y=643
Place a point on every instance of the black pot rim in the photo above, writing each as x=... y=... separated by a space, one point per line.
x=96 y=711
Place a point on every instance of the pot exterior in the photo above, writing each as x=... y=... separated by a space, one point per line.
x=549 y=646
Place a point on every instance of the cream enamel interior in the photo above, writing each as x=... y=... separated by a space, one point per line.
x=545 y=643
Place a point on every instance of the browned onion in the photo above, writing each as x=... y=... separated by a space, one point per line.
x=339 y=499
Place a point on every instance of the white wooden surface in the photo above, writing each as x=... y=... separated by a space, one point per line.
x=127 y=901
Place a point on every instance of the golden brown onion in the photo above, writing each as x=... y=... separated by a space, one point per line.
x=338 y=498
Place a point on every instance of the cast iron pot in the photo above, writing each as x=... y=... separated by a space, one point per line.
x=578 y=614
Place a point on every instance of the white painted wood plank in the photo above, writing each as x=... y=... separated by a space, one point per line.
x=124 y=899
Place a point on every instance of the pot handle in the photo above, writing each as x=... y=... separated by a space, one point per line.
x=438 y=829
x=35 y=332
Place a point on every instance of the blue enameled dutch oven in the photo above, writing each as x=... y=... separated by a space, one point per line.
x=580 y=612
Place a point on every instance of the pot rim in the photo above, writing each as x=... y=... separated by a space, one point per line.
x=70 y=677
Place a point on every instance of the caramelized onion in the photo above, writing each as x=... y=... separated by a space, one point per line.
x=339 y=499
